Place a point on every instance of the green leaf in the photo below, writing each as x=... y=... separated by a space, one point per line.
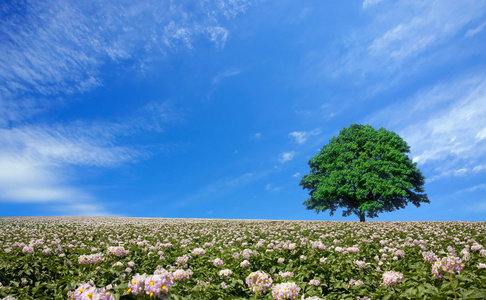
x=478 y=294
x=387 y=296
x=410 y=292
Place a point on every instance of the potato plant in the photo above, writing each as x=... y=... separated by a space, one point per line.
x=139 y=258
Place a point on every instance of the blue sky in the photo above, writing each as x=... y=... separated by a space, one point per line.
x=212 y=109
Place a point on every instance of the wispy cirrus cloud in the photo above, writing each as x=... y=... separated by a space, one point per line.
x=472 y=189
x=271 y=188
x=229 y=9
x=368 y=3
x=410 y=34
x=59 y=48
x=302 y=136
x=477 y=187
x=218 y=35
x=35 y=160
x=407 y=38
x=226 y=74
x=286 y=156
x=474 y=31
x=445 y=124
x=52 y=51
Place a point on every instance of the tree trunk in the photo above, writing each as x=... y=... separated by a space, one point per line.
x=362 y=217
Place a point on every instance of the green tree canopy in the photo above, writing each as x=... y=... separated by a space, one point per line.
x=365 y=172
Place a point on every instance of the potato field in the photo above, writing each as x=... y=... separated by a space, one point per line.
x=141 y=258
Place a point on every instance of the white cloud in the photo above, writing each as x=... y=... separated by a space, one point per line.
x=481 y=135
x=36 y=161
x=226 y=74
x=398 y=41
x=479 y=168
x=229 y=9
x=302 y=136
x=218 y=35
x=368 y=3
x=443 y=125
x=76 y=144
x=402 y=41
x=296 y=175
x=477 y=187
x=24 y=178
x=43 y=194
x=286 y=156
x=474 y=31
x=326 y=112
x=425 y=27
x=175 y=34
x=153 y=116
x=59 y=48
x=269 y=187
x=461 y=172
x=257 y=135
x=462 y=120
x=471 y=189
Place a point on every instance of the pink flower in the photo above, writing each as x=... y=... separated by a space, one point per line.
x=287 y=290
x=154 y=285
x=225 y=272
x=181 y=275
x=217 y=262
x=353 y=282
x=391 y=278
x=245 y=263
x=362 y=264
x=315 y=282
x=258 y=281
x=450 y=264
x=117 y=251
x=136 y=285
x=198 y=251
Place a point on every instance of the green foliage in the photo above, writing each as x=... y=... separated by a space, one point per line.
x=53 y=275
x=364 y=171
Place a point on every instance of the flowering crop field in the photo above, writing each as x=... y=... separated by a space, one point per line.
x=138 y=258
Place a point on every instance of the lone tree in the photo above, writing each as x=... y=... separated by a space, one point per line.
x=365 y=171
